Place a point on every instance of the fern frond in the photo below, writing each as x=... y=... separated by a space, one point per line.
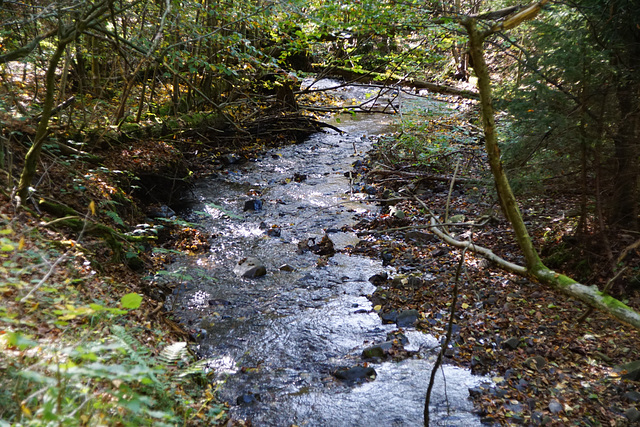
x=135 y=351
x=201 y=367
x=173 y=353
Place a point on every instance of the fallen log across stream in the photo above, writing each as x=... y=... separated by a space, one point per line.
x=389 y=79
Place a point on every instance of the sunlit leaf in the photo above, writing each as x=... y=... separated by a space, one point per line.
x=131 y=301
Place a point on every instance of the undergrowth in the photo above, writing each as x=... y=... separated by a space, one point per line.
x=78 y=347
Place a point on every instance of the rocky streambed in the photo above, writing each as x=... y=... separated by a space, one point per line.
x=282 y=308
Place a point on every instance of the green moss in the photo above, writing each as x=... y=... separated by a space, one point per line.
x=612 y=302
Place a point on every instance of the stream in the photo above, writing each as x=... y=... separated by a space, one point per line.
x=276 y=340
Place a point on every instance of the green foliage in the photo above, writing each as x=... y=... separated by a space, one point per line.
x=66 y=362
x=572 y=118
x=102 y=381
x=429 y=139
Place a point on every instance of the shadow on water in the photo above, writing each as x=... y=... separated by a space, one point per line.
x=277 y=339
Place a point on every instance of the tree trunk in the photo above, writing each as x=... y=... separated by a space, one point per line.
x=391 y=79
x=625 y=199
x=67 y=35
x=505 y=194
x=31 y=159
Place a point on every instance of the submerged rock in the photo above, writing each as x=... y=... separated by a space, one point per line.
x=325 y=247
x=253 y=205
x=379 y=278
x=230 y=159
x=356 y=373
x=389 y=317
x=377 y=351
x=247 y=398
x=250 y=268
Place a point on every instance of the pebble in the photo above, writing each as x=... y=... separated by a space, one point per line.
x=555 y=406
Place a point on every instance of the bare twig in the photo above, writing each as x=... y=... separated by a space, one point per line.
x=46 y=276
x=453 y=182
x=447 y=339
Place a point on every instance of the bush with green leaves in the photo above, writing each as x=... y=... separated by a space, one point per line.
x=93 y=380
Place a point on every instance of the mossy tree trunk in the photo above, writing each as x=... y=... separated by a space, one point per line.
x=66 y=35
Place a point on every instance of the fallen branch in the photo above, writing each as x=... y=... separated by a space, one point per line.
x=420 y=176
x=480 y=250
x=429 y=226
x=589 y=295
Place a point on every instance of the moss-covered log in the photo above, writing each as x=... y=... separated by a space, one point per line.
x=590 y=295
x=393 y=79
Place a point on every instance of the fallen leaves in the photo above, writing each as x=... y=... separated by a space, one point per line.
x=543 y=368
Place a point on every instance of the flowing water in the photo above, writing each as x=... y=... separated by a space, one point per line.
x=277 y=339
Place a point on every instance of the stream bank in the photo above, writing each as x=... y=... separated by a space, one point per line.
x=284 y=337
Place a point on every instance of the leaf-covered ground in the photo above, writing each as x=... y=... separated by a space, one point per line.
x=544 y=363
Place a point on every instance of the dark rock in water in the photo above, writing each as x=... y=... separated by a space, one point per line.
x=378 y=279
x=476 y=391
x=298 y=177
x=377 y=351
x=325 y=247
x=355 y=374
x=511 y=343
x=247 y=398
x=305 y=245
x=399 y=336
x=387 y=257
x=274 y=232
x=407 y=318
x=389 y=317
x=286 y=267
x=369 y=189
x=250 y=268
x=253 y=205
x=161 y=212
x=230 y=159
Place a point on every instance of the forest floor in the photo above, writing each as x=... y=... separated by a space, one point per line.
x=63 y=287
x=550 y=361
